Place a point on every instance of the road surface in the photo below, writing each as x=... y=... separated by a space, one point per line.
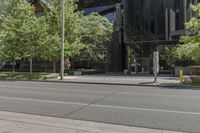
x=151 y=107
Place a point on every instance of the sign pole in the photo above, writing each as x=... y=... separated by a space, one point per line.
x=155 y=65
x=155 y=77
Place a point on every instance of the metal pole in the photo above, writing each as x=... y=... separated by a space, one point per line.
x=62 y=39
x=155 y=77
x=156 y=64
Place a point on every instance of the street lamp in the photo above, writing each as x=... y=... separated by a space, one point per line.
x=62 y=2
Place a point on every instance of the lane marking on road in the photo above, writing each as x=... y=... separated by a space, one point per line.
x=146 y=109
x=40 y=100
x=101 y=106
x=123 y=92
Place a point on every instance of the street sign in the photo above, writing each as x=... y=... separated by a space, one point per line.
x=155 y=65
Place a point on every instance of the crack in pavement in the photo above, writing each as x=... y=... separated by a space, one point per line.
x=92 y=103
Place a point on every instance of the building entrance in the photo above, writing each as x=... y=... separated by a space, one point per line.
x=140 y=59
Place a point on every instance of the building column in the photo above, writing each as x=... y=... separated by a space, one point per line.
x=166 y=19
x=117 y=50
x=185 y=11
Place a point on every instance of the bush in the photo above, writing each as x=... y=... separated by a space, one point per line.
x=21 y=76
x=195 y=80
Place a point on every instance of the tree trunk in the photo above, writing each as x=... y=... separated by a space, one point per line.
x=88 y=64
x=31 y=65
x=13 y=63
x=13 y=66
x=54 y=66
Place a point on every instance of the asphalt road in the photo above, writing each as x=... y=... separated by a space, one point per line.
x=160 y=108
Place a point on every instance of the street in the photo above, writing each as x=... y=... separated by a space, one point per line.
x=150 y=107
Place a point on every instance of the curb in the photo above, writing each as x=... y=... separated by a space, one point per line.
x=125 y=84
x=189 y=87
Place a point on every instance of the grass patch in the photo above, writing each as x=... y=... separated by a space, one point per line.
x=21 y=76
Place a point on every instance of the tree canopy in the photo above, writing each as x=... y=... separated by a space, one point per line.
x=96 y=30
x=73 y=43
x=189 y=47
x=24 y=33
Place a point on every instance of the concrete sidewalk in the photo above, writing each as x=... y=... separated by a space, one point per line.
x=26 y=123
x=163 y=81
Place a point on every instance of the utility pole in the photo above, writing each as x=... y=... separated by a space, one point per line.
x=62 y=38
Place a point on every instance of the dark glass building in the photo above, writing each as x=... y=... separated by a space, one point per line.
x=149 y=20
x=151 y=25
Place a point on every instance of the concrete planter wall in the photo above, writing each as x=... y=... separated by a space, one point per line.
x=187 y=71
x=195 y=78
x=77 y=73
x=51 y=76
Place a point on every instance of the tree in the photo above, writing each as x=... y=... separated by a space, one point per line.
x=73 y=43
x=190 y=45
x=9 y=41
x=27 y=34
x=96 y=31
x=24 y=32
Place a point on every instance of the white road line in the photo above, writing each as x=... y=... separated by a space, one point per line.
x=101 y=106
x=146 y=109
x=20 y=86
x=39 y=100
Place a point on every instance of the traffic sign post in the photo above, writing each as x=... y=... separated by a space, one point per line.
x=155 y=65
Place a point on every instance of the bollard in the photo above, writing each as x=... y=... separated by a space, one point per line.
x=181 y=77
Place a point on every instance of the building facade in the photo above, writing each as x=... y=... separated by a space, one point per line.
x=153 y=20
x=151 y=25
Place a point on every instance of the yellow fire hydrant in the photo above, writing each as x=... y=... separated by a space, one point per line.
x=181 y=76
